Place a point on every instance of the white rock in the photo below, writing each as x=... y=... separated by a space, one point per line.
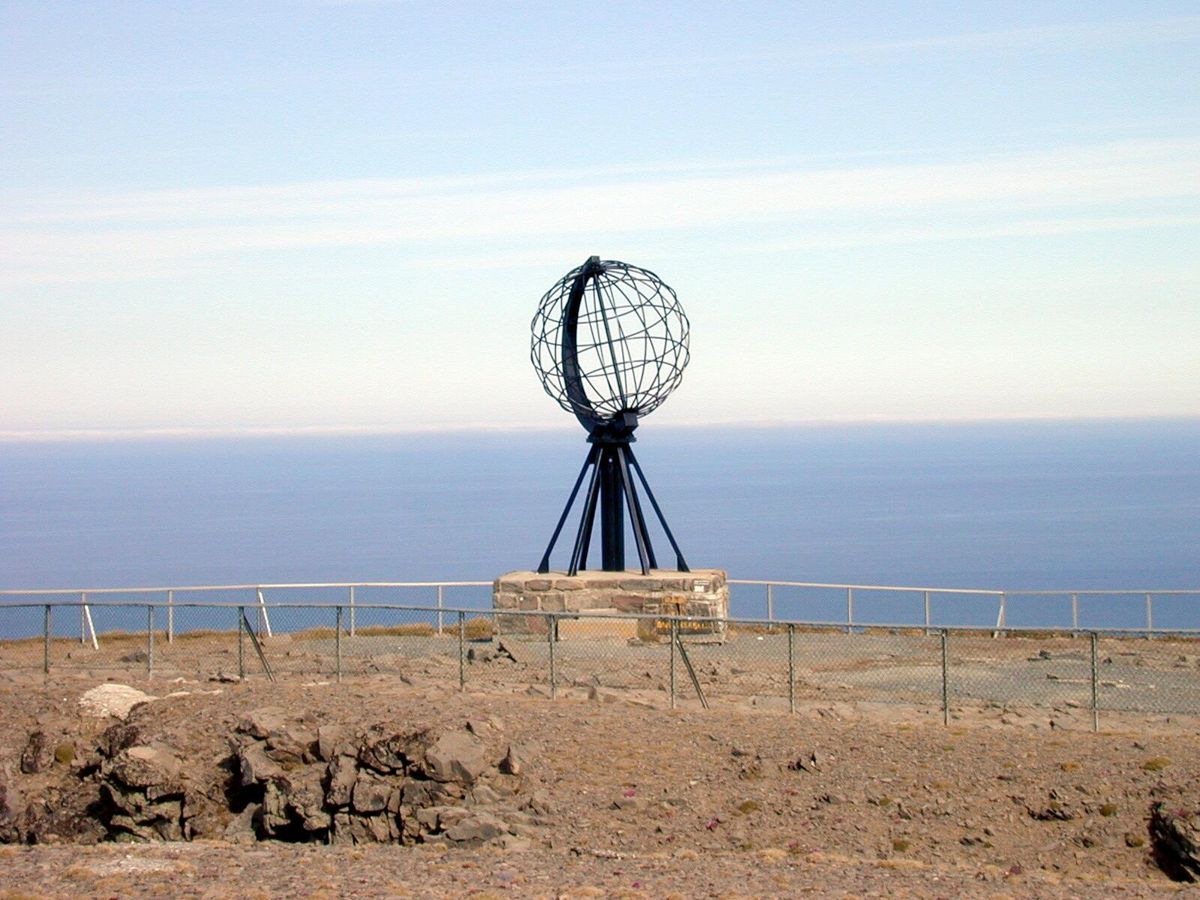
x=112 y=700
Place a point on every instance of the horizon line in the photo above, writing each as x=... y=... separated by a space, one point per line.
x=113 y=435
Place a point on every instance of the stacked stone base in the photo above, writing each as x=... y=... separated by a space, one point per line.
x=702 y=593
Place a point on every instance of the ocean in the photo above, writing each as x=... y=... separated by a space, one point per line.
x=1078 y=505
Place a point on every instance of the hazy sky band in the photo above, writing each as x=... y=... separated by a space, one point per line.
x=341 y=215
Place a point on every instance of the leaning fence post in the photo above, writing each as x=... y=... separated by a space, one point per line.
x=1095 y=687
x=170 y=617
x=1149 y=616
x=462 y=651
x=674 y=637
x=550 y=635
x=945 y=680
x=927 y=612
x=849 y=610
x=149 y=641
x=241 y=614
x=791 y=667
x=337 y=643
x=46 y=640
x=352 y=623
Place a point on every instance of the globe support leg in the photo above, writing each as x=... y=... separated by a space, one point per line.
x=611 y=490
x=544 y=565
x=680 y=564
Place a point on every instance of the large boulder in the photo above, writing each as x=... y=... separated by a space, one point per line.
x=456 y=756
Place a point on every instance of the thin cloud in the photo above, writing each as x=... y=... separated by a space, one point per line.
x=1120 y=185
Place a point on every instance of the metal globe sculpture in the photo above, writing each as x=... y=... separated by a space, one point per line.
x=609 y=339
x=610 y=343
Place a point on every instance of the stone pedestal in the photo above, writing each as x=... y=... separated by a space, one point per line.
x=702 y=592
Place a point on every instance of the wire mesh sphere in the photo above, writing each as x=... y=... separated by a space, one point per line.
x=608 y=339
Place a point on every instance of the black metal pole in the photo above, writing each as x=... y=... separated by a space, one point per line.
x=584 y=536
x=544 y=565
x=612 y=512
x=645 y=554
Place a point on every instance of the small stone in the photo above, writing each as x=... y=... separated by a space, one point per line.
x=37 y=755
x=259 y=723
x=329 y=740
x=456 y=756
x=514 y=760
x=476 y=828
x=370 y=793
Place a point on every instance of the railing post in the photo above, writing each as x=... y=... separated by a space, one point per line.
x=927 y=612
x=264 y=623
x=462 y=651
x=674 y=639
x=149 y=641
x=351 y=610
x=1075 y=613
x=1095 y=687
x=241 y=615
x=82 y=617
x=337 y=643
x=849 y=610
x=46 y=640
x=945 y=680
x=1001 y=616
x=1149 y=616
x=791 y=668
x=770 y=603
x=441 y=603
x=550 y=638
x=170 y=617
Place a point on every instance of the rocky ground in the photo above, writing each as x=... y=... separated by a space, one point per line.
x=399 y=787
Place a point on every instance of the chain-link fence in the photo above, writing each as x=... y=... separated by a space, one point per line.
x=648 y=659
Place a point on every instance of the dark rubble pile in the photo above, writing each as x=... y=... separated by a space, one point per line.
x=381 y=785
x=284 y=781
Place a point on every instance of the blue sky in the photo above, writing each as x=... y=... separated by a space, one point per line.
x=341 y=215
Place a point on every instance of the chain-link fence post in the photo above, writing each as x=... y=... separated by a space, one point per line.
x=149 y=641
x=337 y=643
x=1095 y=687
x=674 y=637
x=46 y=640
x=550 y=638
x=241 y=616
x=791 y=668
x=945 y=679
x=462 y=651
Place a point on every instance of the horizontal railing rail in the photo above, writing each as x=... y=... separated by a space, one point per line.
x=850 y=592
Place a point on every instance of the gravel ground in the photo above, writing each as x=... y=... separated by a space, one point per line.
x=841 y=799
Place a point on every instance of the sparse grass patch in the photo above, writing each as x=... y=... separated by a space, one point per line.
x=1155 y=764
x=479 y=628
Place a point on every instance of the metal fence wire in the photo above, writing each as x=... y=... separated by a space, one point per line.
x=1077 y=675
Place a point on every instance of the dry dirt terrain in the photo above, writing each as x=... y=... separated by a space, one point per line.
x=599 y=792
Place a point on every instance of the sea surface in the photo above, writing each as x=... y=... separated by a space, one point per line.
x=1064 y=506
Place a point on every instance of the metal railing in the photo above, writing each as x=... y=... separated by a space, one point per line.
x=87 y=629
x=808 y=601
x=1001 y=598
